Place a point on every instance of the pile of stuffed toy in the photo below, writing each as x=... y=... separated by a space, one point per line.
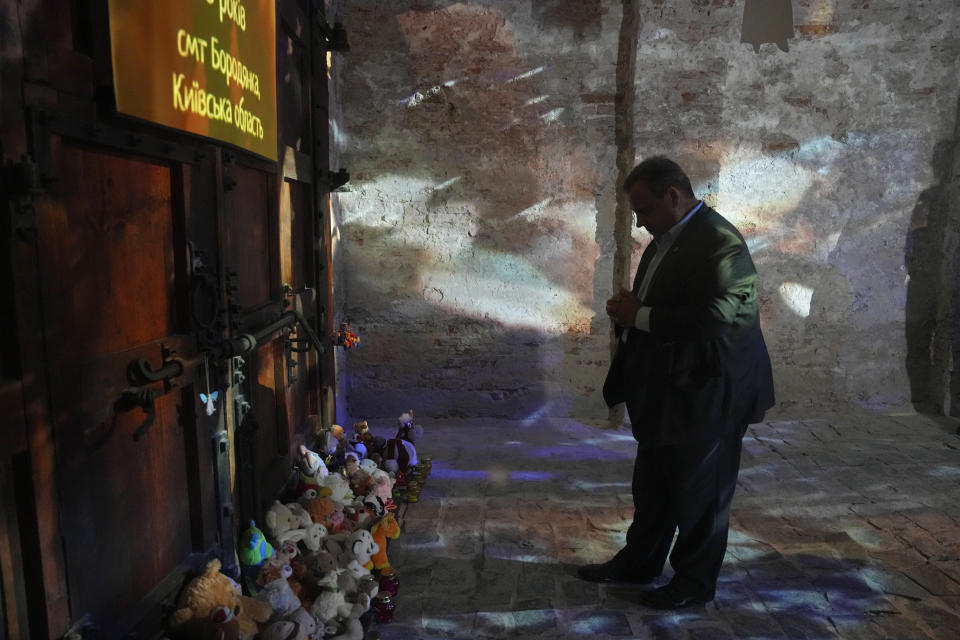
x=321 y=571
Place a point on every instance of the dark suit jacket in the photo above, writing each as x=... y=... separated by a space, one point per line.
x=703 y=370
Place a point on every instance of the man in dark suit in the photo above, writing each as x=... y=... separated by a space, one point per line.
x=693 y=369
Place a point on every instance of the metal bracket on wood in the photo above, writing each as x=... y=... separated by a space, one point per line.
x=337 y=179
x=22 y=181
x=142 y=372
x=225 y=509
x=333 y=38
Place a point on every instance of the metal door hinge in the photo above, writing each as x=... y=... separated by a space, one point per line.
x=22 y=181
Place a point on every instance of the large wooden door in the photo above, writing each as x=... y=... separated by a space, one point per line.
x=141 y=262
x=112 y=273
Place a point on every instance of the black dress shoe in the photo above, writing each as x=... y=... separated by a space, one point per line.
x=674 y=596
x=613 y=572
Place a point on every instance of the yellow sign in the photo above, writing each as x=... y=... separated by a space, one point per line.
x=204 y=66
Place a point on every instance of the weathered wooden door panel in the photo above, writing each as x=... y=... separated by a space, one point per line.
x=107 y=247
x=109 y=279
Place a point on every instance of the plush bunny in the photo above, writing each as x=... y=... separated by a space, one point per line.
x=311 y=536
x=355 y=579
x=301 y=513
x=328 y=604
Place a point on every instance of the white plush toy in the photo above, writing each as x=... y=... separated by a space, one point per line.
x=355 y=578
x=338 y=488
x=332 y=603
x=300 y=512
x=312 y=465
x=311 y=536
x=280 y=519
x=360 y=547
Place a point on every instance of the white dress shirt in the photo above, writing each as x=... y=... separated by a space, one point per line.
x=664 y=243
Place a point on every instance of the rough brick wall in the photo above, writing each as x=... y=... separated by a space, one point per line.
x=477 y=243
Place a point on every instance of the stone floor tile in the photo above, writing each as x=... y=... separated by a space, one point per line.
x=842 y=526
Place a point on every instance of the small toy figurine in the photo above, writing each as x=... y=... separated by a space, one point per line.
x=254 y=548
x=362 y=431
x=210 y=397
x=347 y=338
x=210 y=402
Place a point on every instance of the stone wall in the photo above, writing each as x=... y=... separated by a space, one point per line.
x=478 y=242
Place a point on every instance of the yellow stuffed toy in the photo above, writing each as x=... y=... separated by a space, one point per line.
x=211 y=590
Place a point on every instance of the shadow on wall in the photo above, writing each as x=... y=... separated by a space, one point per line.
x=931 y=260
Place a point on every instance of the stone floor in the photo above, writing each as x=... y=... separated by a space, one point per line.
x=844 y=526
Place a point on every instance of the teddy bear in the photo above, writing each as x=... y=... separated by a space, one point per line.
x=211 y=590
x=386 y=527
x=351 y=464
x=322 y=563
x=221 y=625
x=360 y=546
x=362 y=483
x=280 y=518
x=324 y=511
x=278 y=592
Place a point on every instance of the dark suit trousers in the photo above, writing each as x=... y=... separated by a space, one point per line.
x=686 y=487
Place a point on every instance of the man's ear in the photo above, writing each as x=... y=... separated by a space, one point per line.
x=674 y=195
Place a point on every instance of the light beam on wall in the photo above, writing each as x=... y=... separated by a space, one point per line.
x=797 y=297
x=528 y=74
